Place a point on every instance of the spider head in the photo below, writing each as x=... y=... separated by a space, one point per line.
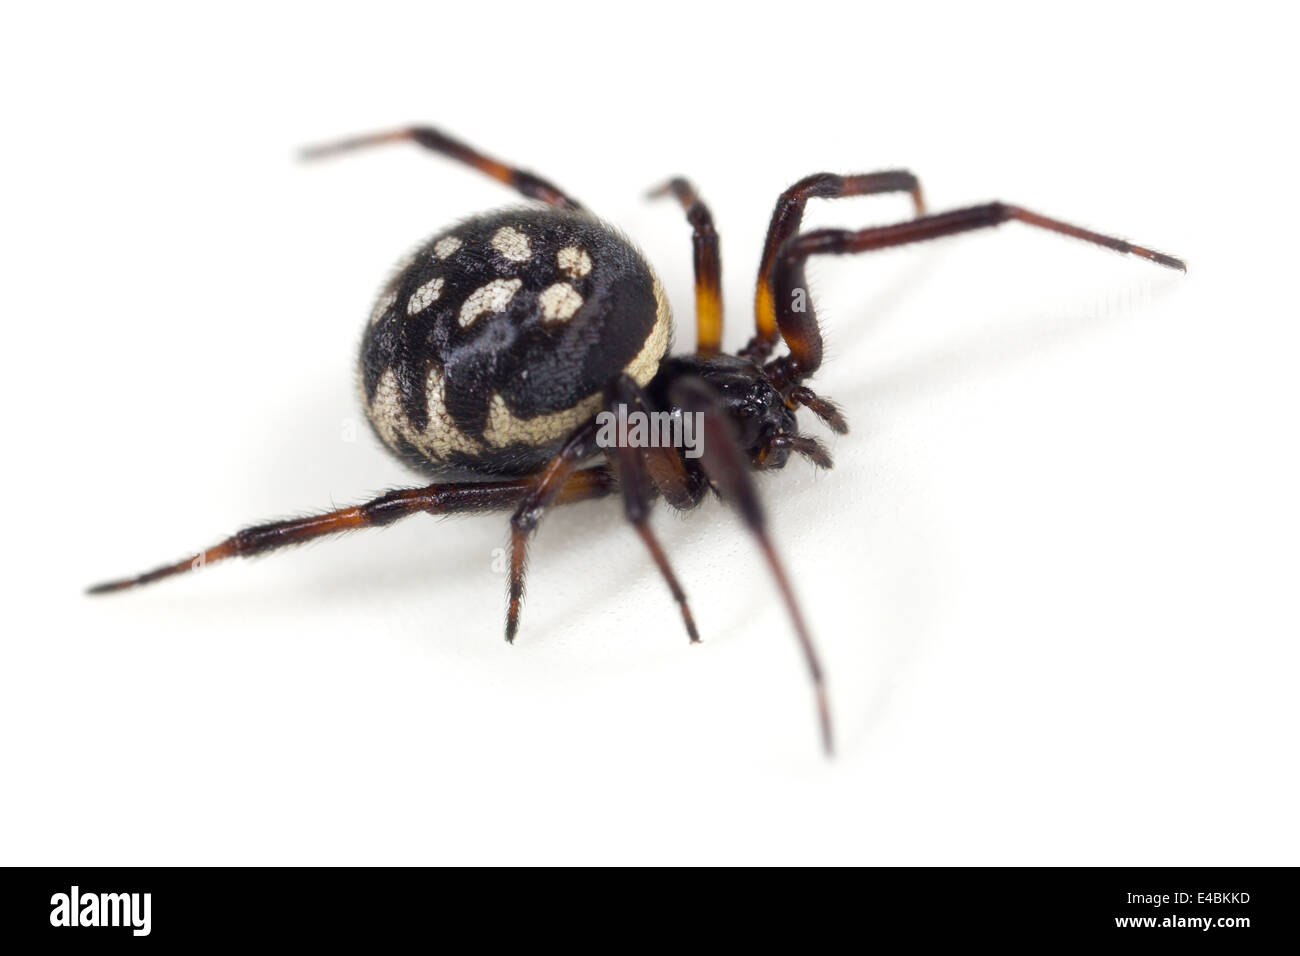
x=763 y=420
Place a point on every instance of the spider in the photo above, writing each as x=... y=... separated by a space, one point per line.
x=495 y=347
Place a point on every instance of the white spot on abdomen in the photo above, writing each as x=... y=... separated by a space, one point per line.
x=446 y=246
x=559 y=302
x=493 y=297
x=574 y=261
x=424 y=296
x=512 y=244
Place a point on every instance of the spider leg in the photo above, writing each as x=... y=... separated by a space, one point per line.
x=795 y=316
x=581 y=444
x=640 y=476
x=823 y=408
x=638 y=487
x=681 y=488
x=810 y=448
x=786 y=219
x=532 y=186
x=708 y=265
x=434 y=499
x=727 y=468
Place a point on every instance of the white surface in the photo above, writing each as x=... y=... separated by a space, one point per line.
x=1052 y=575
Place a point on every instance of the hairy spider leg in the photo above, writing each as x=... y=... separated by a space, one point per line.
x=638 y=481
x=531 y=185
x=787 y=217
x=798 y=326
x=708 y=264
x=436 y=499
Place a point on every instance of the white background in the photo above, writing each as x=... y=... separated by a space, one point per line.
x=1052 y=574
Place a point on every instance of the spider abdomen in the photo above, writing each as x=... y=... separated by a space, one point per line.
x=495 y=339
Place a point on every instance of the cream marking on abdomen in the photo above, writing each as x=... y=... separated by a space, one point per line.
x=493 y=297
x=446 y=246
x=559 y=302
x=424 y=296
x=574 y=261
x=440 y=437
x=505 y=428
x=645 y=363
x=512 y=244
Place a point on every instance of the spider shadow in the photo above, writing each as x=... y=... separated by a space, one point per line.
x=981 y=352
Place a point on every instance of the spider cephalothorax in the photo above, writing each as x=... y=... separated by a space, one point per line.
x=499 y=344
x=763 y=420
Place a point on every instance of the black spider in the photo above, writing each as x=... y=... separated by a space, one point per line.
x=514 y=347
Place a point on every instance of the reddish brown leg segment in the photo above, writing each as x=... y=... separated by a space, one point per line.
x=795 y=315
x=708 y=265
x=433 y=499
x=810 y=448
x=682 y=489
x=580 y=445
x=638 y=490
x=786 y=219
x=532 y=186
x=823 y=408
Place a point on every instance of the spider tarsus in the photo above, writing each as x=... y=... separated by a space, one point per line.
x=320 y=151
x=830 y=416
x=108 y=587
x=333 y=148
x=662 y=190
x=810 y=448
x=1169 y=262
x=824 y=717
x=689 y=620
x=834 y=419
x=691 y=631
x=814 y=451
x=157 y=574
x=805 y=642
x=823 y=408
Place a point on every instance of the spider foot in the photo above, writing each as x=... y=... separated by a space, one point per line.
x=823 y=408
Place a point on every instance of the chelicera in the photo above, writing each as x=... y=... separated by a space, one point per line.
x=495 y=346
